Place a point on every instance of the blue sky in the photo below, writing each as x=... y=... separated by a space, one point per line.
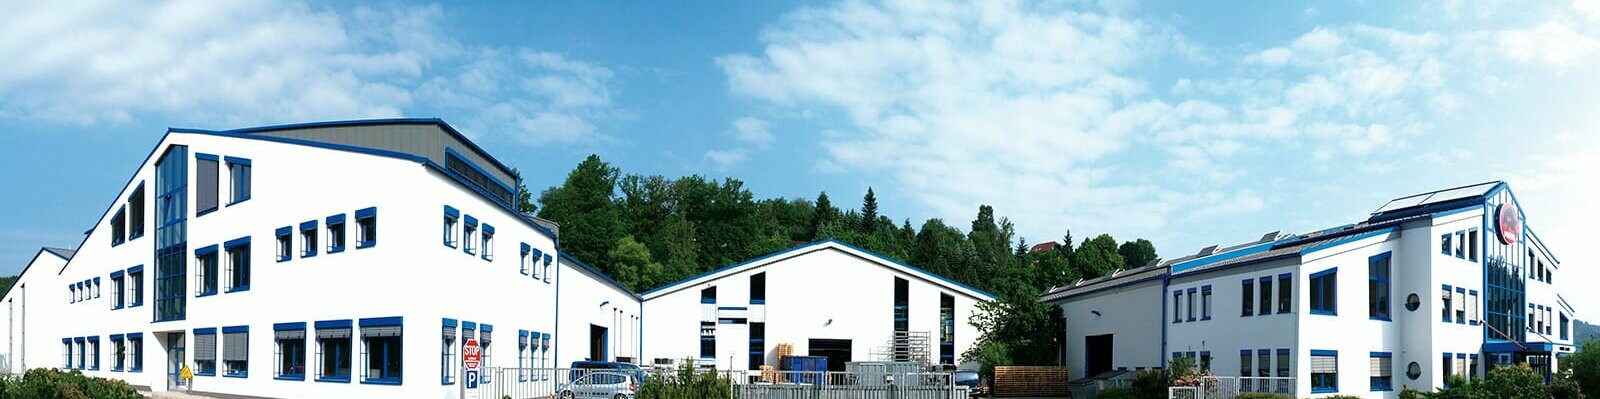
x=1188 y=123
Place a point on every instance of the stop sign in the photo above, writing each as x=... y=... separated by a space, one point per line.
x=471 y=354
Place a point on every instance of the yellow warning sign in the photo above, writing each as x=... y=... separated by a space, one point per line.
x=185 y=373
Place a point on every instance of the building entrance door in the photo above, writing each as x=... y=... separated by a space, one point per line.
x=1097 y=351
x=175 y=361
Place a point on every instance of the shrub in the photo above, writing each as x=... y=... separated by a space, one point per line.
x=1118 y=393
x=1584 y=366
x=686 y=382
x=1151 y=384
x=1565 y=388
x=1262 y=395
x=49 y=383
x=1342 y=397
x=1409 y=393
x=1513 y=382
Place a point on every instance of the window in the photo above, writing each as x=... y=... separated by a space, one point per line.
x=1382 y=371
x=117 y=293
x=335 y=233
x=447 y=353
x=236 y=351
x=1189 y=307
x=1565 y=324
x=1324 y=371
x=205 y=271
x=544 y=354
x=285 y=244
x=1472 y=308
x=1448 y=365
x=1472 y=245
x=66 y=353
x=380 y=346
x=1205 y=303
x=1205 y=361
x=1444 y=244
x=758 y=354
x=119 y=353
x=205 y=351
x=1324 y=292
x=333 y=350
x=1177 y=312
x=308 y=239
x=533 y=262
x=367 y=227
x=1283 y=363
x=1378 y=286
x=1472 y=366
x=290 y=341
x=94 y=353
x=136 y=352
x=758 y=288
x=708 y=340
x=547 y=261
x=947 y=329
x=485 y=333
x=902 y=305
x=467 y=171
x=136 y=294
x=1266 y=296
x=238 y=251
x=239 y=175
x=524 y=361
x=1461 y=306
x=524 y=265
x=708 y=295
x=1247 y=303
x=1245 y=359
x=1285 y=292
x=119 y=233
x=136 y=213
x=1461 y=244
x=487 y=251
x=467 y=235
x=205 y=178
x=1264 y=365
x=451 y=216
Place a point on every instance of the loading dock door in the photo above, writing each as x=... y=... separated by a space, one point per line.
x=1097 y=354
x=837 y=351
x=597 y=343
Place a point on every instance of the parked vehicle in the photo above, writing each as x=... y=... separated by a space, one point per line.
x=601 y=384
x=970 y=380
x=580 y=367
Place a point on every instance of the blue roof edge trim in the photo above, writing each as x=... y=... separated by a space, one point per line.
x=1349 y=239
x=813 y=245
x=603 y=276
x=1214 y=258
x=1563 y=302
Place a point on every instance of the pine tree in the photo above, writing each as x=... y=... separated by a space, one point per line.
x=869 y=212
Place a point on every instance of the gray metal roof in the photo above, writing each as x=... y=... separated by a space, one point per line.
x=1109 y=280
x=62 y=252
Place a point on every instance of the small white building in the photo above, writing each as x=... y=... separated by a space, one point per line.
x=1450 y=282
x=825 y=298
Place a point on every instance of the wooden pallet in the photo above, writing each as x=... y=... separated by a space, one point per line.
x=1013 y=381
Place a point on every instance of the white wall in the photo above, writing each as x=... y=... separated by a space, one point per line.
x=1131 y=313
x=1228 y=331
x=586 y=301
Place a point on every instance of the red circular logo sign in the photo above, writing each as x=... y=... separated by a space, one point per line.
x=1509 y=223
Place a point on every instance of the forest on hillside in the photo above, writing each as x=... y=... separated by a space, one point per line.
x=649 y=231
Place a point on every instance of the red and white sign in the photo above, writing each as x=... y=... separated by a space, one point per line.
x=471 y=354
x=1509 y=222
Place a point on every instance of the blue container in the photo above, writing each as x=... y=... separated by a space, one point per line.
x=805 y=369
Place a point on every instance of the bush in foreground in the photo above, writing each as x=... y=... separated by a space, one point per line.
x=49 y=383
x=686 y=382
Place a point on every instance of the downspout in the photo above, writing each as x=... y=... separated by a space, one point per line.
x=1166 y=280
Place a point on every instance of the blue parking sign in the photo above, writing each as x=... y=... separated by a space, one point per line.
x=472 y=379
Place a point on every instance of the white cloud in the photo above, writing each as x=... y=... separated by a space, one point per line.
x=529 y=96
x=1557 y=189
x=241 y=62
x=1554 y=43
x=1276 y=56
x=1589 y=9
x=726 y=158
x=752 y=130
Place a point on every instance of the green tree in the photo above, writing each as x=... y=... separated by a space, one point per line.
x=583 y=207
x=525 y=204
x=869 y=212
x=1137 y=253
x=1512 y=382
x=1097 y=256
x=1583 y=367
x=631 y=261
x=824 y=218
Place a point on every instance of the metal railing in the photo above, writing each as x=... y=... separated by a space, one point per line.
x=1229 y=387
x=541 y=383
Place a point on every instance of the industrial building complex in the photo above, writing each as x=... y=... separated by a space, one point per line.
x=1451 y=282
x=320 y=260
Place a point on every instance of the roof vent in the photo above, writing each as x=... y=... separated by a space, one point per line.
x=1207 y=251
x=1273 y=236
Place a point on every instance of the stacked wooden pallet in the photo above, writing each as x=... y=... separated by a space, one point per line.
x=1013 y=381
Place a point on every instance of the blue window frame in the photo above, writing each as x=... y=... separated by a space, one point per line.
x=523 y=264
x=205 y=260
x=66 y=353
x=205 y=352
x=487 y=250
x=136 y=281
x=366 y=227
x=1247 y=301
x=1177 y=312
x=547 y=261
x=1325 y=292
x=94 y=352
x=1447 y=309
x=1444 y=243
x=334 y=350
x=336 y=232
x=534 y=261
x=451 y=218
x=289 y=340
x=207 y=185
x=136 y=352
x=237 y=253
x=1324 y=371
x=485 y=333
x=136 y=213
x=118 y=227
x=1266 y=295
x=1382 y=371
x=381 y=340
x=524 y=360
x=1474 y=307
x=1461 y=244
x=239 y=177
x=236 y=351
x=1461 y=309
x=469 y=232
x=1285 y=292
x=447 y=353
x=1205 y=303
x=119 y=353
x=1378 y=289
x=285 y=243
x=308 y=238
x=1189 y=305
x=119 y=295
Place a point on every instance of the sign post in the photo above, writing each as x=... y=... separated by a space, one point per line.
x=471 y=356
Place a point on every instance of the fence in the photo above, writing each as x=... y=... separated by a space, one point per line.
x=1229 y=387
x=541 y=383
